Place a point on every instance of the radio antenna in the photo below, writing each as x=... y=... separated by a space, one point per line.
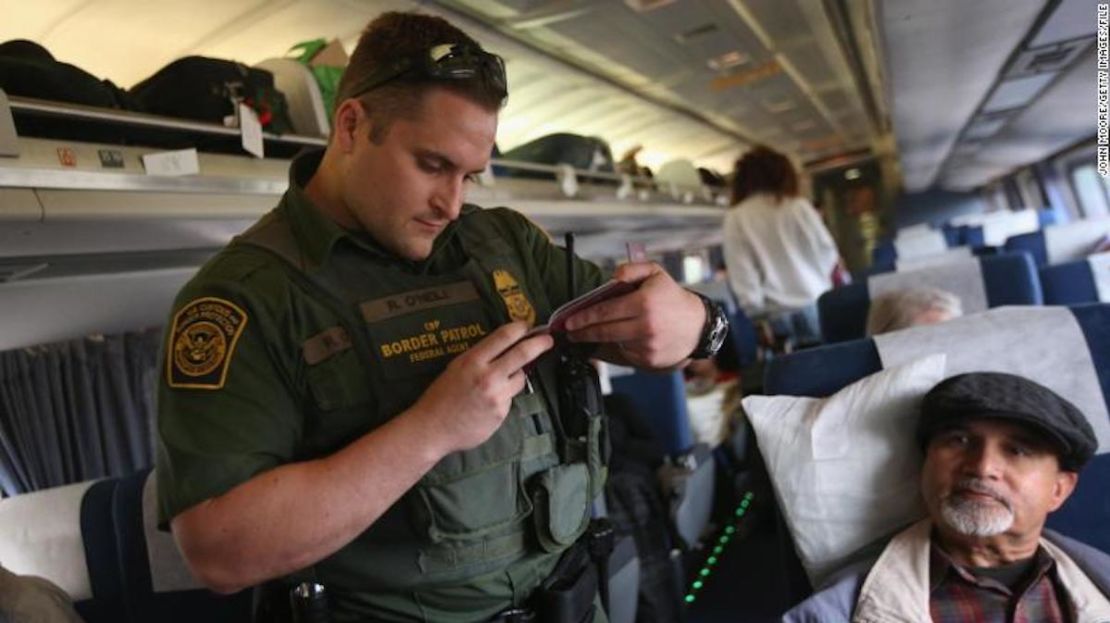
x=570 y=263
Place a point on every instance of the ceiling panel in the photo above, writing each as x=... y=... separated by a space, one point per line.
x=838 y=102
x=782 y=21
x=148 y=44
x=1053 y=122
x=1017 y=92
x=34 y=25
x=735 y=29
x=1073 y=19
x=811 y=63
x=942 y=58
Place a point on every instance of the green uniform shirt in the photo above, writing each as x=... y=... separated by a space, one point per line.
x=259 y=372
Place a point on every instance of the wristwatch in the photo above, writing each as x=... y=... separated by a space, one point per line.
x=713 y=332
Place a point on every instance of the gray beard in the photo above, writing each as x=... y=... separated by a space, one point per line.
x=976 y=518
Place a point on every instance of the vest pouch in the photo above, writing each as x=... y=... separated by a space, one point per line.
x=561 y=497
x=478 y=492
x=477 y=505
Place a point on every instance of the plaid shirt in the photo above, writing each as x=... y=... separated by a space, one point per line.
x=957 y=596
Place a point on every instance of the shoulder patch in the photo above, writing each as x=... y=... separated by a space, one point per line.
x=202 y=342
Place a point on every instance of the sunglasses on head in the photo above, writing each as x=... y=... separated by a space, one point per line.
x=444 y=62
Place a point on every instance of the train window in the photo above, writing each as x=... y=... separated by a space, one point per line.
x=1091 y=191
x=1030 y=189
x=694 y=269
x=995 y=197
x=1013 y=194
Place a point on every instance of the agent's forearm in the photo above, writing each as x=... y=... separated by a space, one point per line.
x=294 y=515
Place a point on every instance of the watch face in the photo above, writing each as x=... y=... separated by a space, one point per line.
x=720 y=330
x=714 y=332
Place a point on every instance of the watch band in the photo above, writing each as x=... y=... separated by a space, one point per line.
x=714 y=330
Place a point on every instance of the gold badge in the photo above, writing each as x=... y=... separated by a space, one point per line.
x=520 y=308
x=202 y=341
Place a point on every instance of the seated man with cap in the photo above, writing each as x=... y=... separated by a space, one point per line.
x=1001 y=452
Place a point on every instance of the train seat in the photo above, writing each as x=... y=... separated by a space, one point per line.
x=1065 y=348
x=980 y=283
x=919 y=242
x=61 y=534
x=97 y=540
x=1062 y=243
x=883 y=256
x=1081 y=281
x=948 y=256
x=964 y=235
x=624 y=581
x=689 y=481
x=159 y=585
x=920 y=246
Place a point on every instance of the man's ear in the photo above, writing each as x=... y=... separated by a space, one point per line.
x=348 y=117
x=1065 y=484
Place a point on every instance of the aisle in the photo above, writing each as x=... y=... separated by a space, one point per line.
x=749 y=582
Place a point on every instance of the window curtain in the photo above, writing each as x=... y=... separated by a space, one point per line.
x=77 y=410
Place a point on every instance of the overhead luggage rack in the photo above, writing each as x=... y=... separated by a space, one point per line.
x=49 y=119
x=63 y=195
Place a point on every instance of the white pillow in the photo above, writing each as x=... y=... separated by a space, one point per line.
x=845 y=468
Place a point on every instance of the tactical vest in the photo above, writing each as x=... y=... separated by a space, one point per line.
x=524 y=491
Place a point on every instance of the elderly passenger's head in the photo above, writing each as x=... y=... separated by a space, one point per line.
x=1001 y=452
x=912 y=307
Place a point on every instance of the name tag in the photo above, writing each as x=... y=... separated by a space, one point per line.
x=418 y=300
x=419 y=332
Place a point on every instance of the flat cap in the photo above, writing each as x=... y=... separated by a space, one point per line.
x=997 y=395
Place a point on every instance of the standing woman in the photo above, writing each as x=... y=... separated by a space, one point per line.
x=779 y=254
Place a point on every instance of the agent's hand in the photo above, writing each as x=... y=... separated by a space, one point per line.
x=656 y=327
x=466 y=404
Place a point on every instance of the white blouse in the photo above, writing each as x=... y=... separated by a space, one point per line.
x=779 y=255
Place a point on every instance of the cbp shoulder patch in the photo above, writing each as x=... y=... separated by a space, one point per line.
x=202 y=341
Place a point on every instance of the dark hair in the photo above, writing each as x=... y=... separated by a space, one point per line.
x=394 y=35
x=763 y=170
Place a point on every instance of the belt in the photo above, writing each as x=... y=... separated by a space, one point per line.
x=515 y=615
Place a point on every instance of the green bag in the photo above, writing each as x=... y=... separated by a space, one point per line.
x=327 y=76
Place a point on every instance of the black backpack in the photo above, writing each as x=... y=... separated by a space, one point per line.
x=586 y=153
x=204 y=89
x=28 y=70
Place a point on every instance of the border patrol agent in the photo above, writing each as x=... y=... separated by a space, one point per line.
x=345 y=401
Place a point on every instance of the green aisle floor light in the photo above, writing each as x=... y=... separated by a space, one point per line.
x=704 y=573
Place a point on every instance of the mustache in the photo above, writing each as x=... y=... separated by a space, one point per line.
x=976 y=485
